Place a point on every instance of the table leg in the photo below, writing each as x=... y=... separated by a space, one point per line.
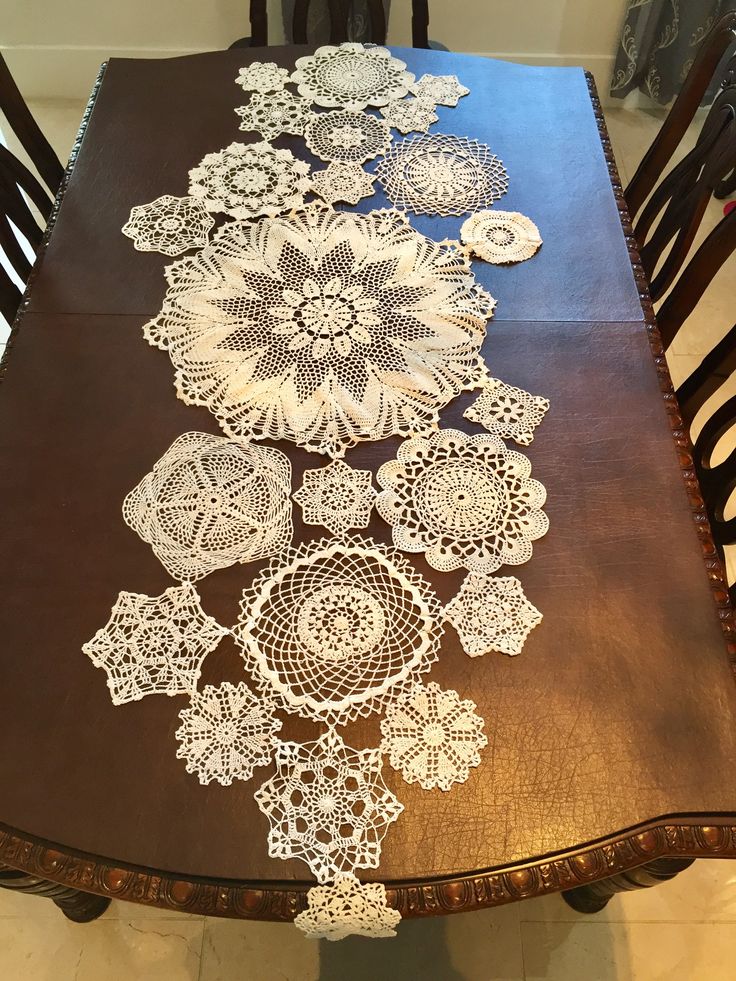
x=75 y=905
x=592 y=898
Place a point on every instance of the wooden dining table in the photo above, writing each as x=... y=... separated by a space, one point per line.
x=611 y=738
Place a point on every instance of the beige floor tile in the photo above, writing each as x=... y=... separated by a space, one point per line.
x=240 y=949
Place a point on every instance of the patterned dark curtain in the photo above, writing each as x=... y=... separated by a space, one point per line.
x=319 y=20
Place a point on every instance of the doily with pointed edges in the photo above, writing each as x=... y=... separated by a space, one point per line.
x=492 y=613
x=272 y=115
x=507 y=411
x=247 y=180
x=337 y=496
x=465 y=501
x=323 y=328
x=442 y=175
x=225 y=733
x=169 y=225
x=334 y=630
x=410 y=115
x=343 y=182
x=345 y=136
x=501 y=236
x=327 y=805
x=347 y=908
x=154 y=645
x=352 y=76
x=443 y=90
x=262 y=76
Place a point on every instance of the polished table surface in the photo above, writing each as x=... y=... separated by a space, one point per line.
x=620 y=712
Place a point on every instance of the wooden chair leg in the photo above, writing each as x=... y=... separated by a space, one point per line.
x=82 y=907
x=592 y=898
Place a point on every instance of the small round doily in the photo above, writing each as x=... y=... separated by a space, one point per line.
x=501 y=236
x=345 y=136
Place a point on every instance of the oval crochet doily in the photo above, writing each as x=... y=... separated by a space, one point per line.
x=501 y=236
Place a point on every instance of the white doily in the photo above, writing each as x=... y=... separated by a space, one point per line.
x=347 y=137
x=463 y=500
x=262 y=76
x=225 y=733
x=410 y=115
x=169 y=225
x=154 y=644
x=352 y=76
x=271 y=115
x=210 y=502
x=433 y=737
x=246 y=180
x=323 y=328
x=501 y=236
x=444 y=175
x=508 y=411
x=337 y=497
x=343 y=182
x=443 y=90
x=335 y=630
x=328 y=806
x=347 y=908
x=492 y=614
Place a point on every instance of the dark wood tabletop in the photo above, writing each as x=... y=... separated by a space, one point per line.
x=611 y=738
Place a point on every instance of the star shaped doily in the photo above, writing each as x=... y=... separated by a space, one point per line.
x=410 y=115
x=327 y=805
x=262 y=76
x=501 y=236
x=507 y=411
x=343 y=182
x=345 y=136
x=337 y=497
x=352 y=76
x=443 y=90
x=154 y=644
x=492 y=614
x=271 y=115
x=347 y=908
x=169 y=225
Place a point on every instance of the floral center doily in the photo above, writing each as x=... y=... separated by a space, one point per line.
x=271 y=115
x=501 y=236
x=262 y=76
x=410 y=115
x=352 y=76
x=347 y=908
x=346 y=137
x=169 y=225
x=443 y=90
x=337 y=497
x=507 y=411
x=492 y=613
x=343 y=182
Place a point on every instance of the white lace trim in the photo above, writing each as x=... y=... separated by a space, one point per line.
x=337 y=497
x=443 y=90
x=347 y=908
x=501 y=236
x=169 y=225
x=272 y=115
x=492 y=614
x=345 y=136
x=507 y=411
x=262 y=76
x=343 y=182
x=410 y=115
x=351 y=76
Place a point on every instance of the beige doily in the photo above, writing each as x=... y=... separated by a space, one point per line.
x=501 y=236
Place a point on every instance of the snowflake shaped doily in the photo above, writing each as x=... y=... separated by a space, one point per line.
x=262 y=76
x=154 y=644
x=463 y=501
x=443 y=90
x=323 y=328
x=410 y=115
x=169 y=225
x=246 y=180
x=351 y=76
x=272 y=115
x=491 y=613
x=507 y=411
x=328 y=806
x=343 y=182
x=225 y=733
x=433 y=737
x=345 y=136
x=444 y=175
x=336 y=629
x=347 y=908
x=501 y=236
x=210 y=502
x=337 y=497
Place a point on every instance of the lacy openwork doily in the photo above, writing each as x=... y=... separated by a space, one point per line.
x=337 y=497
x=210 y=502
x=508 y=411
x=443 y=90
x=343 y=182
x=351 y=76
x=327 y=805
x=348 y=137
x=154 y=645
x=271 y=115
x=169 y=225
x=262 y=76
x=336 y=629
x=246 y=180
x=433 y=737
x=463 y=500
x=501 y=236
x=225 y=733
x=323 y=328
x=347 y=908
x=444 y=175
x=492 y=614
x=410 y=115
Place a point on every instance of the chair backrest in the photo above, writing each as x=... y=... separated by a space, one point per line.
x=339 y=11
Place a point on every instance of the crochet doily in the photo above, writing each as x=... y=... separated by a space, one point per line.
x=245 y=180
x=463 y=500
x=492 y=614
x=210 y=502
x=444 y=175
x=352 y=76
x=337 y=497
x=169 y=225
x=154 y=644
x=347 y=908
x=271 y=115
x=343 y=182
x=262 y=76
x=410 y=115
x=433 y=737
x=336 y=629
x=323 y=328
x=501 y=236
x=443 y=90
x=345 y=136
x=508 y=411
x=225 y=733
x=328 y=806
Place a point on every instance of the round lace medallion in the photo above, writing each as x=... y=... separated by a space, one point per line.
x=443 y=90
x=501 y=236
x=271 y=115
x=347 y=137
x=351 y=76
x=337 y=497
x=492 y=613
x=169 y=225
x=262 y=76
x=410 y=115
x=343 y=182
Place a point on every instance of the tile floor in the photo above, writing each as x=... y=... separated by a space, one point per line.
x=684 y=930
